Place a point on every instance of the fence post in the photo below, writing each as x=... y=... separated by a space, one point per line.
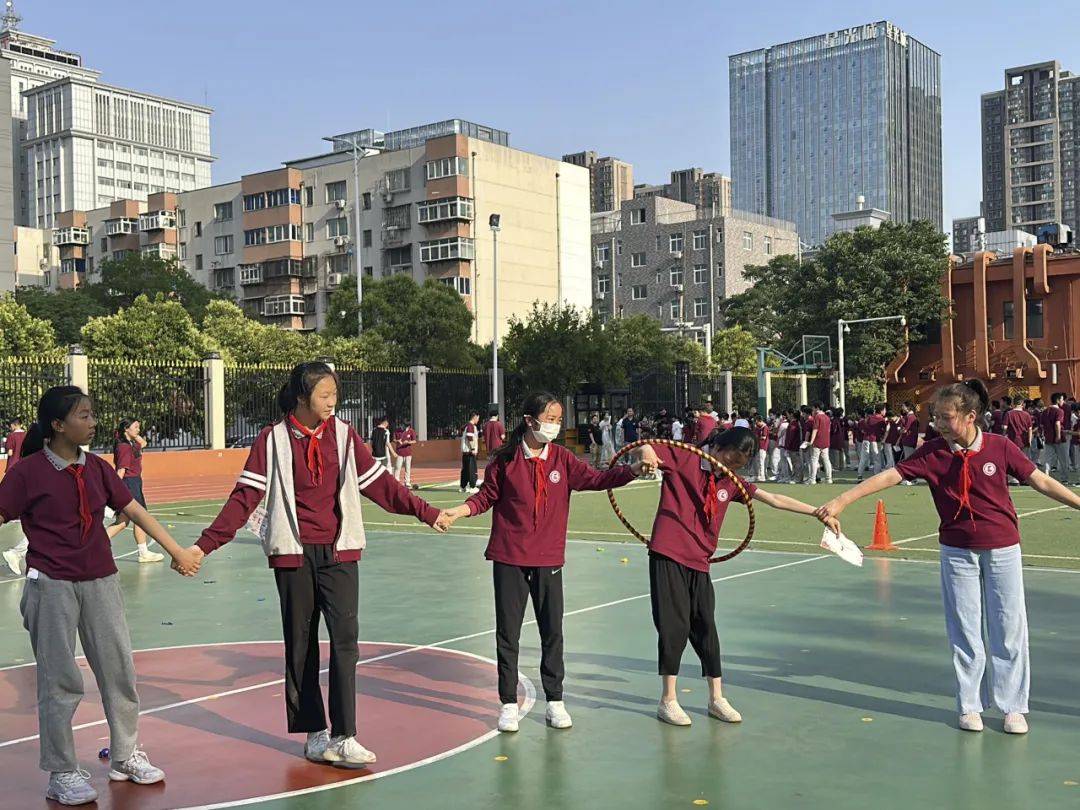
x=729 y=393
x=214 y=379
x=768 y=394
x=78 y=368
x=803 y=397
x=418 y=400
x=834 y=391
x=502 y=394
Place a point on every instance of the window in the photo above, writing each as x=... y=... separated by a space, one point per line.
x=446 y=167
x=639 y=292
x=676 y=274
x=397 y=179
x=104 y=245
x=747 y=240
x=1035 y=318
x=618 y=247
x=637 y=216
x=367 y=238
x=272 y=233
x=397 y=217
x=198 y=229
x=223 y=245
x=338 y=263
x=443 y=249
x=224 y=277
x=399 y=257
x=603 y=285
x=1007 y=319
x=449 y=208
x=309 y=196
x=271 y=199
x=309 y=231
x=283 y=305
x=675 y=243
x=674 y=310
x=183 y=251
x=618 y=280
x=337 y=191
x=223 y=211
x=701 y=307
x=700 y=240
x=367 y=200
x=460 y=283
x=198 y=261
x=701 y=274
x=603 y=254
x=768 y=245
x=337 y=227
x=637 y=259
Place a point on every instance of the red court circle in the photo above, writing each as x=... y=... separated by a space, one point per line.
x=213 y=719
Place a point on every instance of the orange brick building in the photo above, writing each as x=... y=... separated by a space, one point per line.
x=1015 y=325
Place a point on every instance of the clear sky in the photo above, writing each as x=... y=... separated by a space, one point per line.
x=643 y=81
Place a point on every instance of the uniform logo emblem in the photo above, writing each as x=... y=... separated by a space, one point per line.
x=554 y=476
x=723 y=495
x=989 y=468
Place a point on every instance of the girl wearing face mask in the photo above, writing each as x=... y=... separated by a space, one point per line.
x=527 y=483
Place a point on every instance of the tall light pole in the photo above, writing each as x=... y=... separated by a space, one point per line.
x=493 y=222
x=843 y=326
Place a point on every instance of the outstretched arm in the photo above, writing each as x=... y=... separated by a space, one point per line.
x=1051 y=488
x=789 y=504
x=883 y=480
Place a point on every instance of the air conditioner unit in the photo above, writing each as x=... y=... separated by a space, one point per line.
x=676 y=254
x=341 y=241
x=678 y=288
x=719 y=236
x=340 y=204
x=387 y=195
x=333 y=279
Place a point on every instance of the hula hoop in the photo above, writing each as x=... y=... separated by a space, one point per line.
x=697 y=451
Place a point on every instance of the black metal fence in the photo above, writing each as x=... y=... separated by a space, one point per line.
x=369 y=395
x=23 y=380
x=167 y=397
x=451 y=397
x=251 y=400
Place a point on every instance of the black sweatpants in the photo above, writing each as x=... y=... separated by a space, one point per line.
x=513 y=587
x=468 y=470
x=320 y=586
x=682 y=607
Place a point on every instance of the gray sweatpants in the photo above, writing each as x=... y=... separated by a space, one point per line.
x=52 y=611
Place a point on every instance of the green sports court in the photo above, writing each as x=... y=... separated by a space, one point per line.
x=843 y=675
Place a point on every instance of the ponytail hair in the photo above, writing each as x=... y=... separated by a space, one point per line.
x=739 y=439
x=55 y=406
x=534 y=405
x=302 y=382
x=119 y=437
x=969 y=396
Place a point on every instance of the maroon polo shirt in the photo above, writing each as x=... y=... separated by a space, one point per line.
x=681 y=530
x=1049 y=420
x=823 y=425
x=875 y=427
x=1018 y=424
x=991 y=520
x=523 y=533
x=892 y=433
x=317 y=511
x=493 y=435
x=836 y=433
x=406 y=435
x=997 y=420
x=762 y=432
x=47 y=501
x=793 y=438
x=13 y=445
x=129 y=459
x=703 y=428
x=909 y=427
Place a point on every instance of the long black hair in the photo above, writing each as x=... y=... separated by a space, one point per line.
x=55 y=406
x=534 y=405
x=302 y=382
x=740 y=439
x=967 y=396
x=120 y=437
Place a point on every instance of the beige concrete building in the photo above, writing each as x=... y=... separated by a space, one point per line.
x=34 y=256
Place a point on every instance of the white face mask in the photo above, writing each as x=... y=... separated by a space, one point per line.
x=548 y=432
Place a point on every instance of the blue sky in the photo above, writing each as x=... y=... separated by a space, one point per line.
x=644 y=81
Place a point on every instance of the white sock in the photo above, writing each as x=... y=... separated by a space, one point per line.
x=143 y=551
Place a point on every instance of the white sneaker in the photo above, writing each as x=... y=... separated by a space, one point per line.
x=971 y=721
x=346 y=752
x=672 y=713
x=71 y=787
x=557 y=716
x=136 y=768
x=316 y=745
x=151 y=557
x=1015 y=723
x=722 y=710
x=473 y=490
x=16 y=561
x=508 y=717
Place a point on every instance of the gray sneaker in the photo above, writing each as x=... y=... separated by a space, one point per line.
x=71 y=787
x=137 y=768
x=316 y=745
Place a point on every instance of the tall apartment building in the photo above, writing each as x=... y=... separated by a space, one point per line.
x=674 y=262
x=817 y=121
x=611 y=181
x=1031 y=149
x=709 y=191
x=970 y=235
x=281 y=241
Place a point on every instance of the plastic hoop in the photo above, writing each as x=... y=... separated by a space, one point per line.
x=697 y=451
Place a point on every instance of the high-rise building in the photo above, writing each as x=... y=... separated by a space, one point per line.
x=1031 y=149
x=818 y=121
x=709 y=191
x=611 y=181
x=969 y=236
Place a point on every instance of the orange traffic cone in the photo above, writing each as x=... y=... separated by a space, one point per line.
x=882 y=541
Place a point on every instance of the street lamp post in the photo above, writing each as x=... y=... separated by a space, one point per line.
x=493 y=222
x=843 y=326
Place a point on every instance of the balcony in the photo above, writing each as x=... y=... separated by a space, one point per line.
x=71 y=236
x=121 y=227
x=251 y=274
x=159 y=251
x=72 y=266
x=277 y=305
x=157 y=221
x=446 y=210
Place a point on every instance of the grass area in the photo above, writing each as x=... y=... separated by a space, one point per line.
x=1048 y=537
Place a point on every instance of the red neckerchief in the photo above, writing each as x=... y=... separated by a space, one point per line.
x=965 y=482
x=314 y=448
x=710 y=497
x=85 y=518
x=539 y=485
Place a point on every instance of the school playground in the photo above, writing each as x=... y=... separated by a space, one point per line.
x=843 y=675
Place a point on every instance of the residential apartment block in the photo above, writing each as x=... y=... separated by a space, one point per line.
x=611 y=181
x=709 y=191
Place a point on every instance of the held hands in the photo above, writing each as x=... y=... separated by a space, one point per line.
x=833 y=524
x=447 y=517
x=188 y=561
x=832 y=509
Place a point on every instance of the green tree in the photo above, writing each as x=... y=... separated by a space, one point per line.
x=147 y=330
x=67 y=310
x=243 y=340
x=124 y=280
x=370 y=350
x=639 y=344
x=430 y=322
x=20 y=332
x=733 y=349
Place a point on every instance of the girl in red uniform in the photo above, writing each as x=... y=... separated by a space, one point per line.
x=967 y=470
x=693 y=501
x=309 y=471
x=128 y=445
x=528 y=484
